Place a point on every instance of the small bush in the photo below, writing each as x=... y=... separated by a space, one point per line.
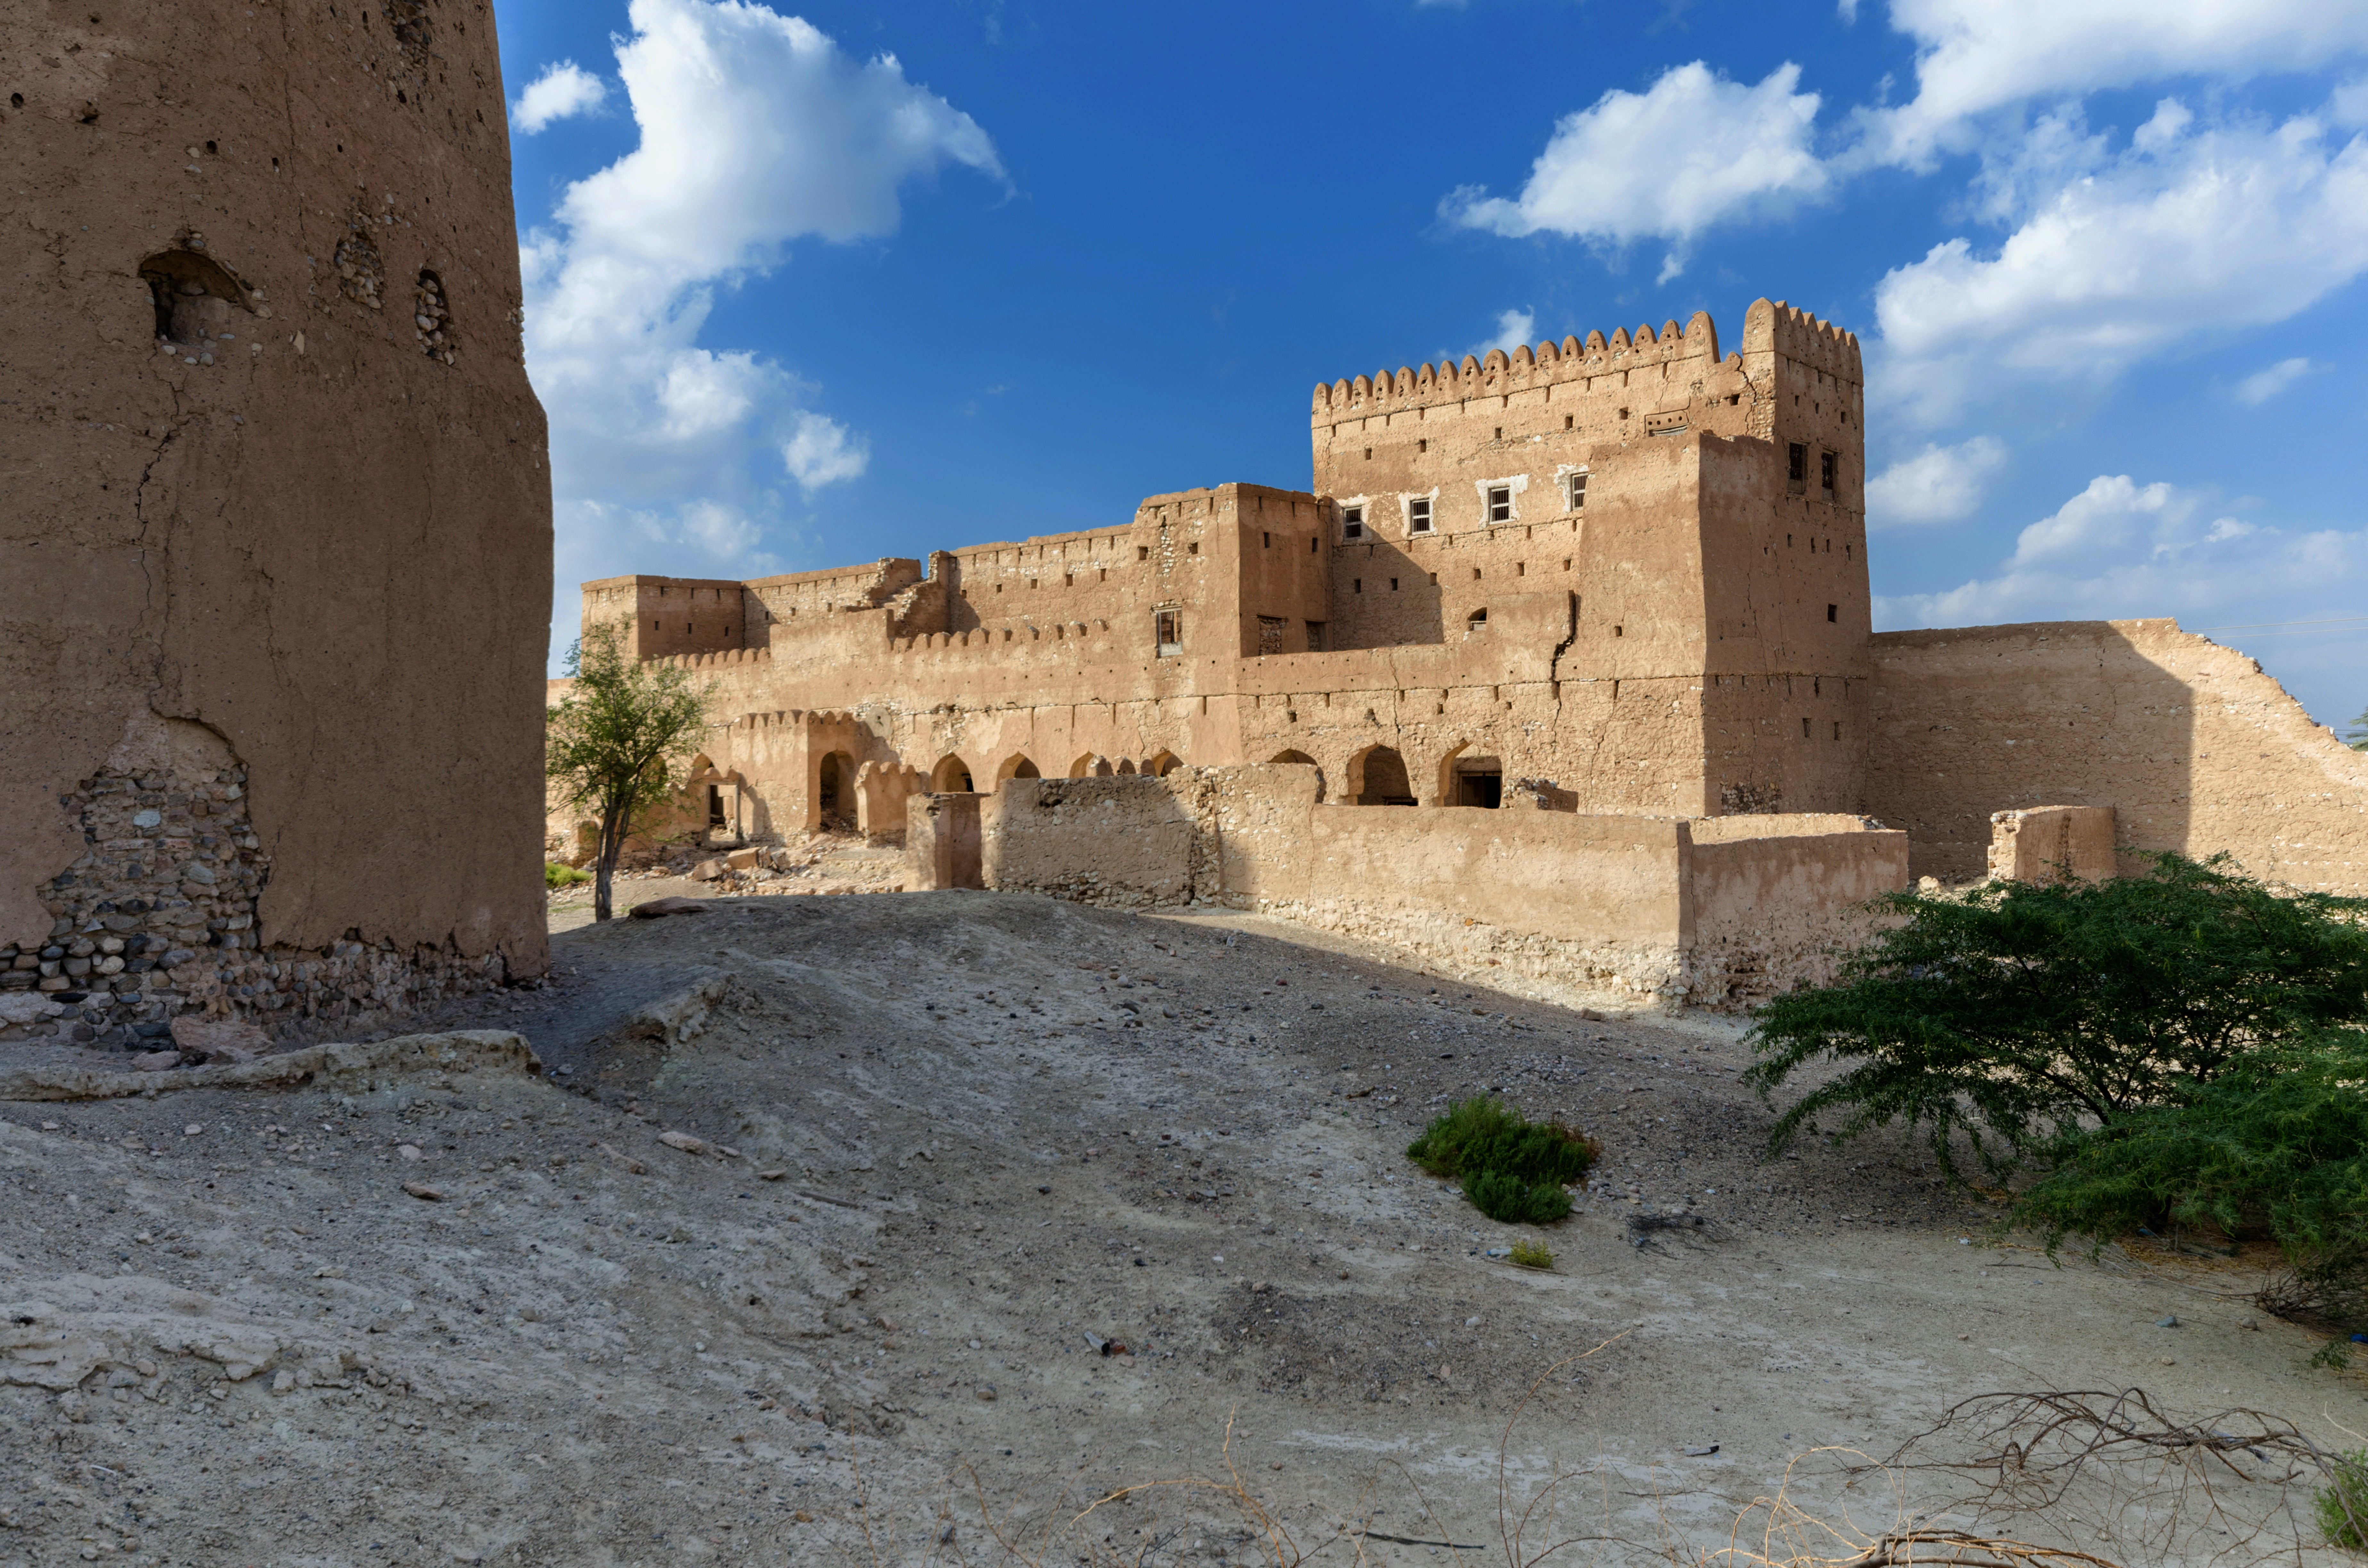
x=1532 y=1255
x=1513 y=1170
x=2343 y=1504
x=1509 y=1200
x=555 y=874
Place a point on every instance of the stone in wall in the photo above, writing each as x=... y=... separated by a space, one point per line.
x=156 y=918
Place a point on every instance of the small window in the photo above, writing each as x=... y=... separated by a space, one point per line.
x=1477 y=621
x=1419 y=515
x=1797 y=465
x=1826 y=470
x=1192 y=548
x=1355 y=584
x=1569 y=421
x=1833 y=612
x=1500 y=503
x=1804 y=729
x=1423 y=445
x=1393 y=585
x=1143 y=553
x=1314 y=546
x=1167 y=627
x=1578 y=494
x=1352 y=522
x=1500 y=432
x=1267 y=540
x=1369 y=454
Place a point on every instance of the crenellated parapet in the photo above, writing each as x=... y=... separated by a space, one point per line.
x=1775 y=327
x=1499 y=373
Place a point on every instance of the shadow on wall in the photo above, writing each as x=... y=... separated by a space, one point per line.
x=2194 y=748
x=1969 y=722
x=1398 y=603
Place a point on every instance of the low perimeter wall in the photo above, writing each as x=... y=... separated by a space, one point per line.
x=1720 y=912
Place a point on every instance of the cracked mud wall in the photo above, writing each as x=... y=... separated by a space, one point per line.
x=247 y=490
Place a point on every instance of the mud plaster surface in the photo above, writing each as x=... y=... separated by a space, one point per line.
x=994 y=1140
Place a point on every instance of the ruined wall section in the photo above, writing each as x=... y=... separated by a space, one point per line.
x=278 y=468
x=2193 y=747
x=1626 y=905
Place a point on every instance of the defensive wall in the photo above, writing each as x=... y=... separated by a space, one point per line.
x=1718 y=913
x=2190 y=744
x=269 y=739
x=1626 y=574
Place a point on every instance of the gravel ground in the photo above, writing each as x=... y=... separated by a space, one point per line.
x=992 y=1206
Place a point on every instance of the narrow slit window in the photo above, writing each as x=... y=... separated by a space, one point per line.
x=1833 y=612
x=1797 y=465
x=1825 y=465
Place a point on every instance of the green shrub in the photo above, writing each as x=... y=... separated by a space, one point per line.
x=2277 y=1141
x=2018 y=1013
x=2343 y=1503
x=1531 y=1255
x=1513 y=1170
x=555 y=874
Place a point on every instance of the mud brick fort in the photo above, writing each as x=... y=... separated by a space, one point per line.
x=1612 y=593
x=269 y=714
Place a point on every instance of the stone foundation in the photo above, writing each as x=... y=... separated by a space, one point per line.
x=156 y=918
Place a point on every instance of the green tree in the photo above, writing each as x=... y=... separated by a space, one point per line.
x=2018 y=1014
x=2357 y=735
x=613 y=744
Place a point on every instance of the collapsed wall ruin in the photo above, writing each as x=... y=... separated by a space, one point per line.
x=269 y=740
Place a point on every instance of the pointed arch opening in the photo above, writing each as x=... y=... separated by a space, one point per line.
x=1016 y=765
x=1377 y=777
x=951 y=776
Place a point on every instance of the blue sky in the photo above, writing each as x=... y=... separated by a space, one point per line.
x=807 y=286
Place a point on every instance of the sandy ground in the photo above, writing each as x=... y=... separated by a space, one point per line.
x=971 y=1138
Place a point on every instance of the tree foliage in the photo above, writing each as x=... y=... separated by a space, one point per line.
x=613 y=745
x=2017 y=1014
x=2277 y=1143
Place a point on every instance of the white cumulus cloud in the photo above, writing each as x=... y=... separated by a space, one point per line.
x=564 y=90
x=2263 y=385
x=1693 y=150
x=1974 y=57
x=2121 y=549
x=2116 y=257
x=821 y=453
x=1938 y=484
x=757 y=130
x=1513 y=329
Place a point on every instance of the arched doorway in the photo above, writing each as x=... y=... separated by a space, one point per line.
x=1016 y=765
x=1377 y=777
x=835 y=791
x=1163 y=765
x=1302 y=759
x=950 y=776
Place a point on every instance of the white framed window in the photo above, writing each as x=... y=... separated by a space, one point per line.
x=1575 y=495
x=1419 y=515
x=1352 y=522
x=1500 y=503
x=1168 y=630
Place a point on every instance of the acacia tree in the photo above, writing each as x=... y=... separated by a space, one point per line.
x=613 y=744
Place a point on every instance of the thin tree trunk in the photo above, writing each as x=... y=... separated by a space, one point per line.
x=612 y=842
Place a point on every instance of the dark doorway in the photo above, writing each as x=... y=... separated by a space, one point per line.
x=1479 y=781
